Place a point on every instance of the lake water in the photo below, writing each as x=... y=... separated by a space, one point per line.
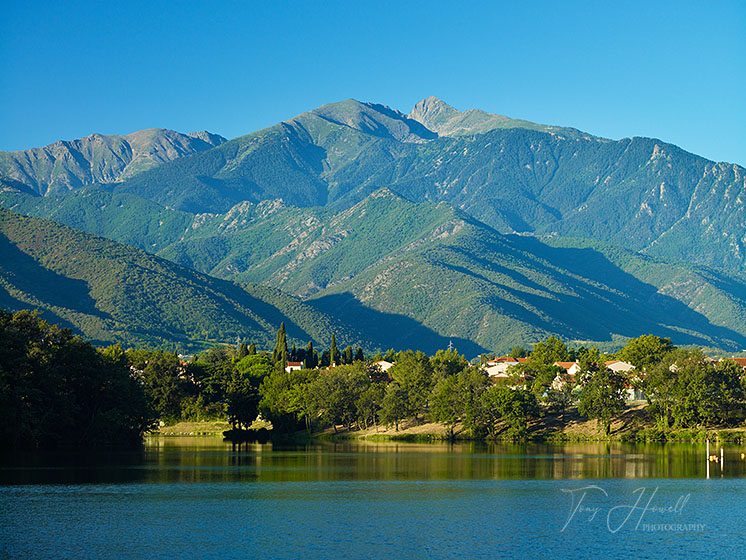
x=202 y=498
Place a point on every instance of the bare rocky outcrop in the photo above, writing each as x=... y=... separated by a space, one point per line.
x=98 y=158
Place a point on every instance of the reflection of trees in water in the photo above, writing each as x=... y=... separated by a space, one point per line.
x=206 y=460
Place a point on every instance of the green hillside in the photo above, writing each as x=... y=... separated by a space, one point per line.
x=114 y=293
x=460 y=278
x=422 y=275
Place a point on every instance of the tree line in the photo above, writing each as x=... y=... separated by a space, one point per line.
x=57 y=389
x=683 y=387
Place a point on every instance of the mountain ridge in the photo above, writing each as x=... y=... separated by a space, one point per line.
x=445 y=120
x=98 y=158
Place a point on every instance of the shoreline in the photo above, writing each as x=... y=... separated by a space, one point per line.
x=632 y=426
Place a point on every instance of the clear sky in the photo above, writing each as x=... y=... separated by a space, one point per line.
x=670 y=70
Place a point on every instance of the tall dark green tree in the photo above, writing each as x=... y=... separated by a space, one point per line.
x=212 y=371
x=395 y=405
x=280 y=352
x=347 y=355
x=414 y=375
x=447 y=363
x=514 y=407
x=457 y=398
x=518 y=352
x=446 y=404
x=242 y=401
x=311 y=357
x=334 y=356
x=252 y=349
x=359 y=356
x=242 y=395
x=163 y=377
x=551 y=350
x=336 y=392
x=369 y=404
x=325 y=360
x=285 y=400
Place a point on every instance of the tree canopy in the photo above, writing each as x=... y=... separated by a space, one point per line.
x=58 y=390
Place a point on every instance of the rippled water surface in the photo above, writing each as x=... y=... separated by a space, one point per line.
x=202 y=498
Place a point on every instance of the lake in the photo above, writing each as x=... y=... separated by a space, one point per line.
x=203 y=498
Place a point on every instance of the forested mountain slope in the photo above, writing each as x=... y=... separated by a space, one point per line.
x=114 y=293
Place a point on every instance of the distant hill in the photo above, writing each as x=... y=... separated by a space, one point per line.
x=114 y=293
x=98 y=158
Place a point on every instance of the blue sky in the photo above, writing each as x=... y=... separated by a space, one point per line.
x=671 y=70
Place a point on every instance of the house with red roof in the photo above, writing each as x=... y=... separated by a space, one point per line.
x=498 y=368
x=571 y=368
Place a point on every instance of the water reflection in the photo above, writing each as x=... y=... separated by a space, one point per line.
x=202 y=459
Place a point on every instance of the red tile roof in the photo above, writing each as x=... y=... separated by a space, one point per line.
x=565 y=365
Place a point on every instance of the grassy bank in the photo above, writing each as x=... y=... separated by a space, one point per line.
x=203 y=428
x=208 y=428
x=633 y=425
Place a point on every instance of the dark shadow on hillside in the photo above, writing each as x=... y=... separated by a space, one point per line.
x=12 y=304
x=52 y=289
x=607 y=300
x=389 y=330
x=18 y=187
x=415 y=127
x=266 y=311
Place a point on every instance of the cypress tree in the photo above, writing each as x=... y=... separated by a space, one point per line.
x=243 y=351
x=359 y=356
x=347 y=355
x=333 y=351
x=252 y=349
x=280 y=353
x=311 y=361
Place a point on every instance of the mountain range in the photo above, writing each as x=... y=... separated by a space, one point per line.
x=422 y=228
x=98 y=158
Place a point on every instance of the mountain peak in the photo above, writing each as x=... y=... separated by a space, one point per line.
x=431 y=109
x=209 y=137
x=370 y=118
x=386 y=192
x=445 y=120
